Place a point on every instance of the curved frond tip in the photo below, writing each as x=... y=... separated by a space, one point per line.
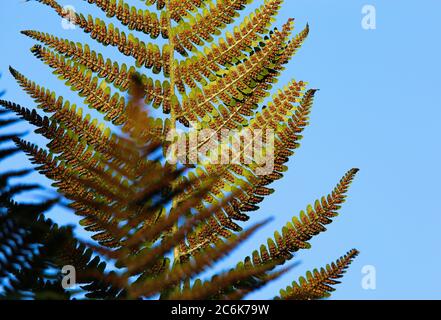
x=318 y=284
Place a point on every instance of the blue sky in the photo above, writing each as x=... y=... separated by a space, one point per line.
x=378 y=109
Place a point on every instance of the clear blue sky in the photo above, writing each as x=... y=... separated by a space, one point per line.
x=378 y=109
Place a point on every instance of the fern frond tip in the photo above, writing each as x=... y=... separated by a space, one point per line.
x=318 y=283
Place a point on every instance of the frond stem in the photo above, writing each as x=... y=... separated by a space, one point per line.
x=176 y=253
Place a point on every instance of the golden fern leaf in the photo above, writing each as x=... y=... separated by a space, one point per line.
x=198 y=107
x=140 y=208
x=287 y=140
x=148 y=55
x=82 y=176
x=252 y=187
x=90 y=194
x=105 y=68
x=97 y=95
x=69 y=118
x=157 y=93
x=134 y=18
x=214 y=288
x=296 y=233
x=180 y=9
x=200 y=262
x=229 y=50
x=70 y=146
x=318 y=284
x=201 y=28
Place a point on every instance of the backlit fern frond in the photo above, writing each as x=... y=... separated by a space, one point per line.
x=148 y=55
x=318 y=284
x=228 y=51
x=105 y=68
x=235 y=83
x=188 y=269
x=214 y=289
x=296 y=234
x=134 y=18
x=98 y=96
x=162 y=223
x=201 y=27
x=180 y=9
x=253 y=188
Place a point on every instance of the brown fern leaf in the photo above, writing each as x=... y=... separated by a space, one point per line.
x=236 y=80
x=87 y=130
x=215 y=288
x=201 y=29
x=318 y=284
x=295 y=235
x=141 y=206
x=92 y=195
x=180 y=9
x=253 y=189
x=198 y=264
x=71 y=148
x=228 y=51
x=287 y=140
x=148 y=257
x=148 y=55
x=234 y=115
x=105 y=68
x=157 y=93
x=134 y=18
x=295 y=44
x=97 y=95
x=90 y=190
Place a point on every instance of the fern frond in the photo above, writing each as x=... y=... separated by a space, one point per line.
x=201 y=28
x=215 y=288
x=148 y=55
x=105 y=68
x=287 y=140
x=97 y=95
x=134 y=18
x=138 y=206
x=228 y=51
x=87 y=262
x=252 y=187
x=157 y=93
x=88 y=131
x=296 y=234
x=73 y=189
x=236 y=82
x=148 y=258
x=42 y=244
x=318 y=284
x=180 y=9
x=198 y=264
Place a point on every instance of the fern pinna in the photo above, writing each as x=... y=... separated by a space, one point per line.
x=160 y=223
